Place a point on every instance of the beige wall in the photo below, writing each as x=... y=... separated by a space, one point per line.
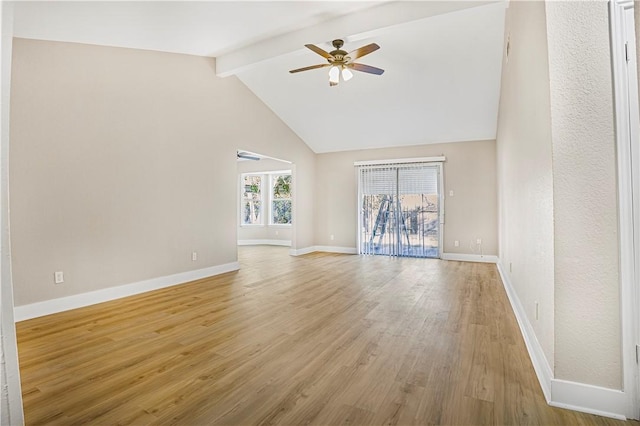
x=525 y=178
x=469 y=171
x=123 y=162
x=557 y=185
x=265 y=232
x=587 y=301
x=273 y=139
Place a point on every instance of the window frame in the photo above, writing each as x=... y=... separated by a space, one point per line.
x=243 y=199
x=266 y=200
x=272 y=175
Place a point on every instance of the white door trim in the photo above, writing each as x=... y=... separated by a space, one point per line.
x=624 y=120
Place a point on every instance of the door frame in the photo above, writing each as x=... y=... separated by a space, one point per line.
x=627 y=126
x=431 y=161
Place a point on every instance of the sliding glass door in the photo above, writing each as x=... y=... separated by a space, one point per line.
x=400 y=210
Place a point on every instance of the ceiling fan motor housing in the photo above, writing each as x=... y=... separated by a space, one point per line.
x=339 y=55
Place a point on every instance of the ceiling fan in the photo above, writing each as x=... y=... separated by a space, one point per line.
x=243 y=155
x=341 y=62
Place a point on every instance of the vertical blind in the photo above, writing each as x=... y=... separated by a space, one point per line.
x=399 y=179
x=389 y=222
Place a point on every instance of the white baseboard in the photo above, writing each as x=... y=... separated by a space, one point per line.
x=335 y=249
x=286 y=243
x=329 y=249
x=561 y=393
x=470 y=257
x=588 y=399
x=302 y=251
x=538 y=359
x=53 y=306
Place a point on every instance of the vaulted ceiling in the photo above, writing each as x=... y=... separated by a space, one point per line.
x=442 y=59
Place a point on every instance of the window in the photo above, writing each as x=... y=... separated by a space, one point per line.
x=280 y=199
x=252 y=199
x=254 y=206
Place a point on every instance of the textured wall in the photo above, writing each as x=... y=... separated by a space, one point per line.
x=470 y=171
x=124 y=161
x=525 y=181
x=587 y=303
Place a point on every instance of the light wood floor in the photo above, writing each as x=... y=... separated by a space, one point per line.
x=320 y=339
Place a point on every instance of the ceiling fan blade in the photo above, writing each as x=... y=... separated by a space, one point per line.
x=312 y=67
x=247 y=156
x=366 y=68
x=364 y=50
x=319 y=51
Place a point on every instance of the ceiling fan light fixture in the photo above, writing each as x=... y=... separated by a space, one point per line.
x=334 y=75
x=346 y=74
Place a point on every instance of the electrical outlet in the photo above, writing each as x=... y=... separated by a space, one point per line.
x=331 y=237
x=479 y=241
x=456 y=243
x=194 y=256
x=58 y=277
x=451 y=193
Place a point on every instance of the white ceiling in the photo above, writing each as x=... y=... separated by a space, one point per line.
x=203 y=28
x=442 y=59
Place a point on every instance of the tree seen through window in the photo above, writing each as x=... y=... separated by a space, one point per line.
x=281 y=199
x=252 y=200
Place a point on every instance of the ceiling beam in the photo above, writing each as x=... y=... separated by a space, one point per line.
x=358 y=25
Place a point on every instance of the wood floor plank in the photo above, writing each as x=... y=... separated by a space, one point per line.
x=316 y=339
